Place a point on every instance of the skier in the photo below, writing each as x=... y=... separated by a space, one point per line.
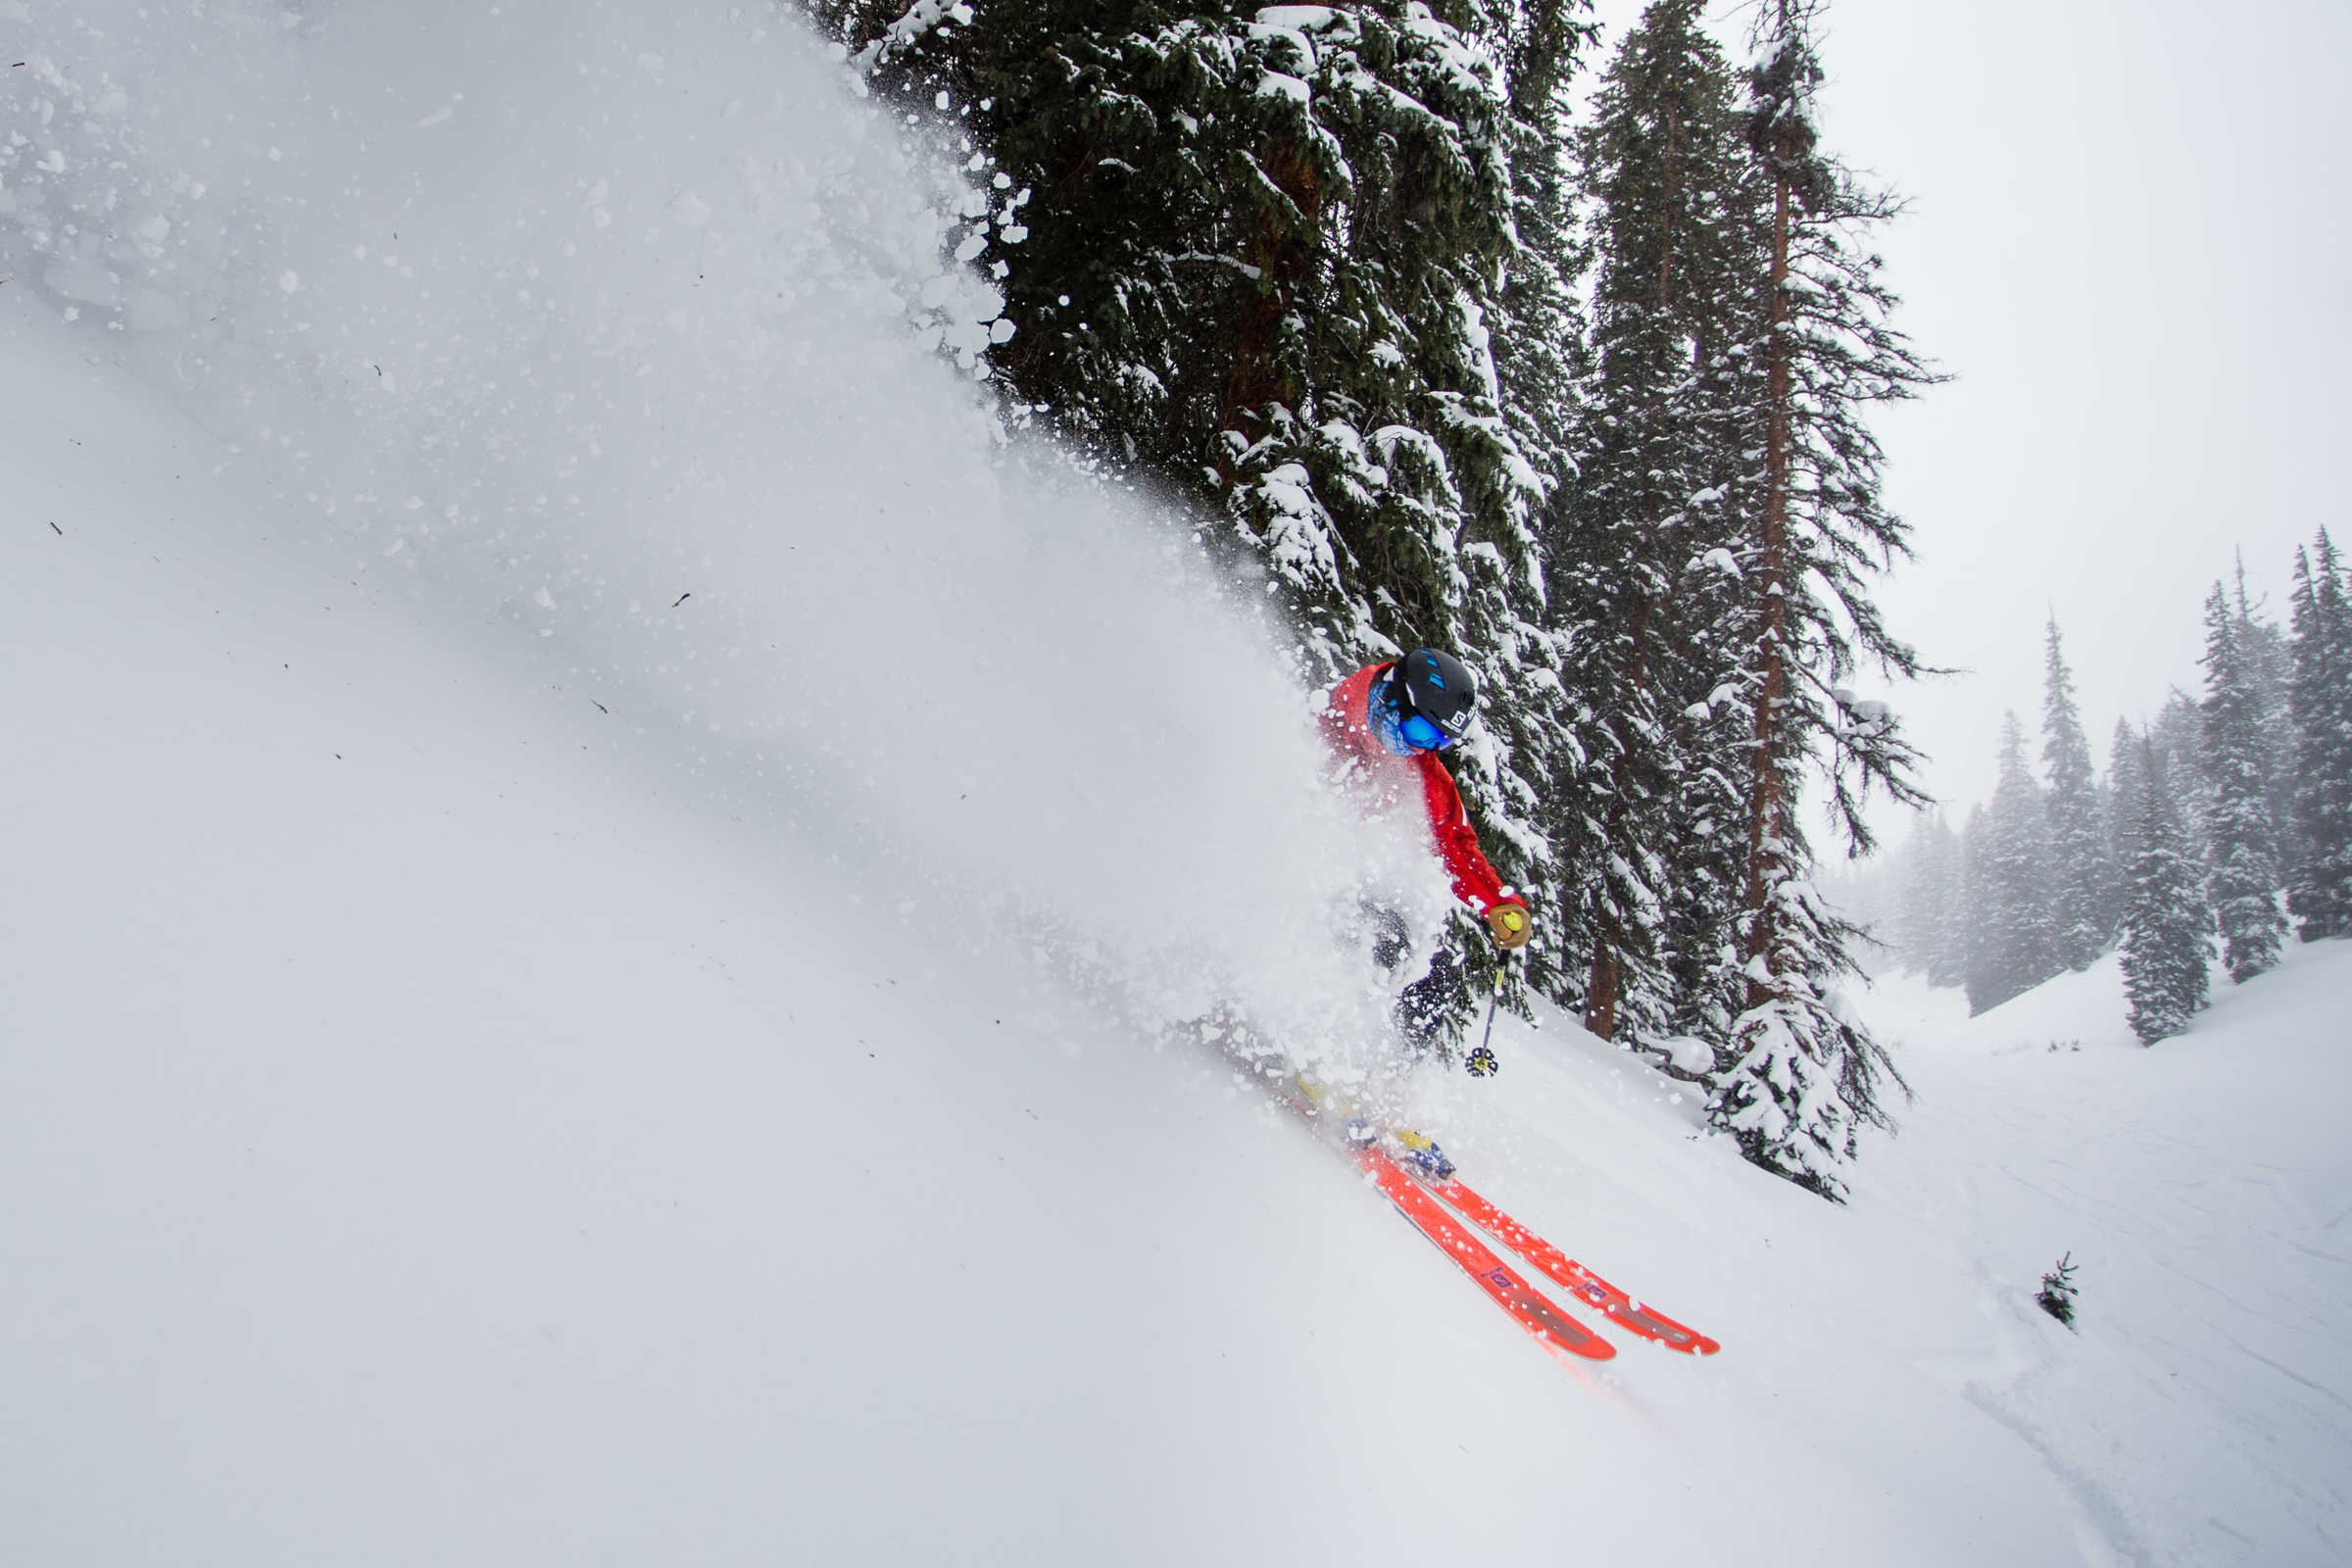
x=1385 y=724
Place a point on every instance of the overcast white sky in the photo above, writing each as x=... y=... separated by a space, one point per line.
x=2128 y=244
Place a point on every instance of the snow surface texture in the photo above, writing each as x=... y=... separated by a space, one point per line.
x=457 y=1105
x=2202 y=1413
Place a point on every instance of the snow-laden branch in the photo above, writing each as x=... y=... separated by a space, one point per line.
x=919 y=19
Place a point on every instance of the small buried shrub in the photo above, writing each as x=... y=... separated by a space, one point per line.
x=2058 y=1290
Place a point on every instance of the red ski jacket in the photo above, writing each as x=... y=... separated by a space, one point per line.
x=1347 y=726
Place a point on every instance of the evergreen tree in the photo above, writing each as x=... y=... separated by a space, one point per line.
x=1539 y=333
x=1970 y=931
x=2319 y=697
x=1664 y=165
x=2015 y=949
x=1799 y=1076
x=2242 y=846
x=1947 y=950
x=2269 y=663
x=2077 y=841
x=2165 y=923
x=1259 y=255
x=1259 y=261
x=2127 y=755
x=1924 y=924
x=2179 y=738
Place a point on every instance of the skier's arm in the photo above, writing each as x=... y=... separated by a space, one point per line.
x=1474 y=880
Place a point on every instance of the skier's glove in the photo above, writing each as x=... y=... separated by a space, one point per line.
x=1511 y=925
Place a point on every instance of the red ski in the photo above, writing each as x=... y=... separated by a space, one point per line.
x=1550 y=1327
x=1563 y=1270
x=1530 y=1309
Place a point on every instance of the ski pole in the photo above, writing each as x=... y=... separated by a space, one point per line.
x=1480 y=1062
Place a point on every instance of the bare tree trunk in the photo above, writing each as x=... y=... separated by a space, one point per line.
x=1601 y=990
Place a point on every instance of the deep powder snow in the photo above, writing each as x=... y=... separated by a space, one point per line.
x=596 y=860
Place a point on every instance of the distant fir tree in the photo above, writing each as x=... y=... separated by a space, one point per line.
x=1947 y=957
x=2079 y=866
x=2269 y=666
x=2177 y=735
x=1673 y=197
x=2016 y=948
x=1799 y=1075
x=2165 y=923
x=1926 y=930
x=2127 y=766
x=2319 y=697
x=2242 y=847
x=1969 y=934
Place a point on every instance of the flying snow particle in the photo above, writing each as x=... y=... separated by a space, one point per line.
x=289 y=280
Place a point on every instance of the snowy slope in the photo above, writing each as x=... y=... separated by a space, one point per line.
x=502 y=1063
x=440 y=1130
x=2204 y=1413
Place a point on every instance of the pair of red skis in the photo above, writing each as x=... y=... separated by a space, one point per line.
x=1417 y=1198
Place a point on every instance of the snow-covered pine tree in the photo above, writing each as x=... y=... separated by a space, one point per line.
x=1116 y=123
x=2015 y=950
x=2177 y=735
x=2269 y=664
x=2165 y=943
x=1970 y=932
x=2126 y=753
x=1259 y=262
x=2242 y=846
x=1799 y=1076
x=1673 y=200
x=2319 y=697
x=1536 y=325
x=1931 y=888
x=2078 y=873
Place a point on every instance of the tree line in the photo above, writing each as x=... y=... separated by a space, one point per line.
x=1581 y=394
x=2216 y=824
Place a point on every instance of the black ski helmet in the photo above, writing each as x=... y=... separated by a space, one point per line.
x=1438 y=687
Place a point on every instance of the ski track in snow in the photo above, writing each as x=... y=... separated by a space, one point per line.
x=501 y=1062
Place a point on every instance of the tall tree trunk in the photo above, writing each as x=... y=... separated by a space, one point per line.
x=1284 y=261
x=1768 y=805
x=1601 y=989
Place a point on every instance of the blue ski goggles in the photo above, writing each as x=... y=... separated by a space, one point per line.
x=1422 y=735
